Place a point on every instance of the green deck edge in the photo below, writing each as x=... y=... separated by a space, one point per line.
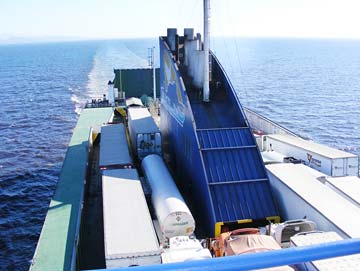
x=57 y=244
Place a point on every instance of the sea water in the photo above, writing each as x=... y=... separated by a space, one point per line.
x=311 y=87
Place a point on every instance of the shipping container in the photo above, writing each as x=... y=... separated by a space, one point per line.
x=114 y=150
x=301 y=193
x=347 y=263
x=129 y=234
x=348 y=187
x=330 y=161
x=144 y=134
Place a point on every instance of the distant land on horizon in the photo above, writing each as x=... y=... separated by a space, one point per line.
x=8 y=39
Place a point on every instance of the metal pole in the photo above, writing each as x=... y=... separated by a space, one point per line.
x=206 y=89
x=121 y=88
x=154 y=76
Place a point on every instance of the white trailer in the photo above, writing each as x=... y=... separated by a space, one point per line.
x=330 y=161
x=347 y=263
x=300 y=193
x=129 y=234
x=144 y=134
x=114 y=150
x=348 y=187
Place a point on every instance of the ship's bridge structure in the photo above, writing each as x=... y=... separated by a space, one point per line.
x=209 y=143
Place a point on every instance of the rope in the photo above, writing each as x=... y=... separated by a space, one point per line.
x=239 y=64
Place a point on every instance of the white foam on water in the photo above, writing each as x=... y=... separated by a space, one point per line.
x=77 y=103
x=112 y=55
x=77 y=98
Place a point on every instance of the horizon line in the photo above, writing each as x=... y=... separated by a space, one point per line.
x=53 y=39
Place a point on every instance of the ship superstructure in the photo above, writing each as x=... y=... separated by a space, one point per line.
x=210 y=144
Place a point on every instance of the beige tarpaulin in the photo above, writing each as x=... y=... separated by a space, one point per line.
x=252 y=243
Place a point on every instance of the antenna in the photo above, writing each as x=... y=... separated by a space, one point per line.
x=206 y=89
x=151 y=62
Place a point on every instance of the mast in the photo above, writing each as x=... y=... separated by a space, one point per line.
x=206 y=89
x=151 y=60
x=154 y=76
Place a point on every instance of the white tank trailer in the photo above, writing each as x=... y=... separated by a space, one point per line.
x=174 y=216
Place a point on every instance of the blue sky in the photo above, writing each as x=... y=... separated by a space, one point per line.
x=106 y=19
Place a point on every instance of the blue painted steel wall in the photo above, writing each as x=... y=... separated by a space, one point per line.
x=180 y=144
x=221 y=164
x=219 y=72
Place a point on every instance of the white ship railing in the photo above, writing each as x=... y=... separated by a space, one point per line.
x=263 y=124
x=289 y=256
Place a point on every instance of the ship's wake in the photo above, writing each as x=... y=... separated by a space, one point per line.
x=77 y=98
x=110 y=55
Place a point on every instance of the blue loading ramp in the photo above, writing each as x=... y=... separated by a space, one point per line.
x=213 y=148
x=238 y=186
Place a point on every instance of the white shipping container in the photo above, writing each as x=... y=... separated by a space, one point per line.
x=300 y=193
x=347 y=263
x=114 y=150
x=144 y=134
x=348 y=187
x=129 y=234
x=330 y=161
